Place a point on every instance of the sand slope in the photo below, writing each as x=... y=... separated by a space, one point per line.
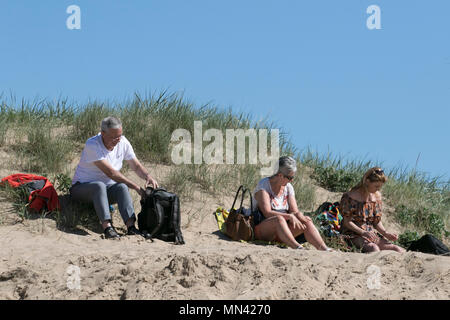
x=37 y=259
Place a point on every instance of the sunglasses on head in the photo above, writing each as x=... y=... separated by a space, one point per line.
x=379 y=171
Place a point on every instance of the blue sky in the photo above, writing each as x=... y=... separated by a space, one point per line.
x=313 y=66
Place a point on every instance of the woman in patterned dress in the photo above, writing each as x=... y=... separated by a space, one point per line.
x=361 y=209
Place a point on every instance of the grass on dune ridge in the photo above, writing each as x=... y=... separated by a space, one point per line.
x=46 y=135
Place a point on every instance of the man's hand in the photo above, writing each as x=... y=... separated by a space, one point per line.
x=141 y=192
x=137 y=167
x=151 y=181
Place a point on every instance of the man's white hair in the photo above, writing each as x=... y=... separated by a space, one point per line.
x=111 y=123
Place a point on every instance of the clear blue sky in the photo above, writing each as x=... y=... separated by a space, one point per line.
x=313 y=66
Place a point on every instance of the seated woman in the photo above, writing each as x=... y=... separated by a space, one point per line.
x=361 y=209
x=278 y=218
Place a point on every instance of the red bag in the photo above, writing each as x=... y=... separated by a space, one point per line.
x=44 y=198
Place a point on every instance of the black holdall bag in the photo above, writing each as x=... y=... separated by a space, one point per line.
x=160 y=215
x=429 y=244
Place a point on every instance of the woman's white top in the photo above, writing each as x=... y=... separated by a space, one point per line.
x=279 y=203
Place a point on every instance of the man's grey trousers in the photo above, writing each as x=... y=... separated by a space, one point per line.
x=102 y=195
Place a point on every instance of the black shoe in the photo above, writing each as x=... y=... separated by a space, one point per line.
x=133 y=231
x=147 y=235
x=111 y=233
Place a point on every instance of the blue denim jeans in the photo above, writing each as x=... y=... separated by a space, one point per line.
x=102 y=195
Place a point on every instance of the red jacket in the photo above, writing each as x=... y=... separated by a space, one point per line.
x=45 y=198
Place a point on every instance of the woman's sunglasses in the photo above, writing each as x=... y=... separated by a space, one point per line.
x=290 y=178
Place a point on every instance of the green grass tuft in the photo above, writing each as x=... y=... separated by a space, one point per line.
x=46 y=135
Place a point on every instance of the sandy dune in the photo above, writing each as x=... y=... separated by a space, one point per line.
x=35 y=259
x=37 y=262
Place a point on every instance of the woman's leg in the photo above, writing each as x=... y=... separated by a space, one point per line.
x=276 y=228
x=365 y=245
x=386 y=245
x=312 y=235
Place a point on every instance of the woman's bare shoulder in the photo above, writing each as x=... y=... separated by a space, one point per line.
x=354 y=195
x=261 y=193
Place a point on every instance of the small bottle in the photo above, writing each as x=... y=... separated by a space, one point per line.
x=111 y=208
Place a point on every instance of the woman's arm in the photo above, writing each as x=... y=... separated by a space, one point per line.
x=390 y=236
x=293 y=209
x=348 y=224
x=380 y=228
x=370 y=236
x=266 y=209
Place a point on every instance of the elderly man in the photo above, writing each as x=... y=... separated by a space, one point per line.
x=98 y=179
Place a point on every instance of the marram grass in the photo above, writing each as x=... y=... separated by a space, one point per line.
x=45 y=135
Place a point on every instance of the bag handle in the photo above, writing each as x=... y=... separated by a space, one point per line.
x=251 y=200
x=244 y=190
x=237 y=193
x=155 y=189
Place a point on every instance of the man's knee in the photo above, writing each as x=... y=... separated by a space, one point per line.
x=122 y=192
x=88 y=191
x=98 y=188
x=97 y=185
x=121 y=188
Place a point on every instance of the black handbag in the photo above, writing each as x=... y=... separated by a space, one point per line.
x=429 y=244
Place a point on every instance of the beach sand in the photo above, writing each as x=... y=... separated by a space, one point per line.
x=38 y=261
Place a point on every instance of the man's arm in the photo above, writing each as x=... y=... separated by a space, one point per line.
x=115 y=175
x=137 y=167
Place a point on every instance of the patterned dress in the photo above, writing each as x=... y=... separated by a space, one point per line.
x=365 y=215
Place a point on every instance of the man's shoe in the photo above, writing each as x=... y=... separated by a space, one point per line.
x=111 y=233
x=147 y=235
x=133 y=231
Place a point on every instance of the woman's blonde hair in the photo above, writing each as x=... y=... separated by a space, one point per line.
x=375 y=174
